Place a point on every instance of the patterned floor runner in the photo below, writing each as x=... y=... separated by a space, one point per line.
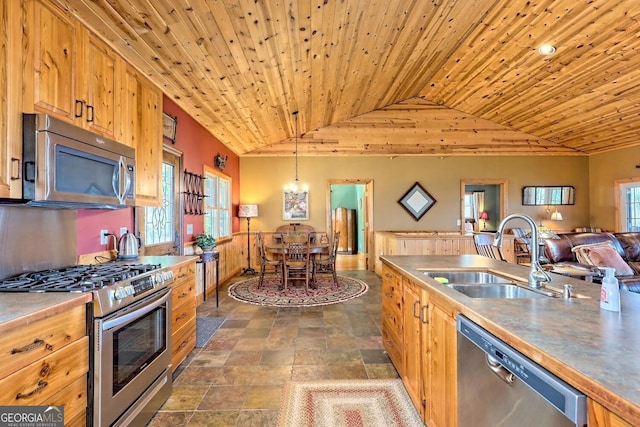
x=347 y=403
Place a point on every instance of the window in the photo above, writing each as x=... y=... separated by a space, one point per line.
x=160 y=227
x=217 y=189
x=629 y=202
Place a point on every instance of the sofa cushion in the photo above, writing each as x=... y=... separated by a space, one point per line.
x=603 y=255
x=630 y=243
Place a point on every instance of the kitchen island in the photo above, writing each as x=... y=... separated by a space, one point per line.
x=589 y=348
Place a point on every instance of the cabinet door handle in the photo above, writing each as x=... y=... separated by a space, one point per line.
x=41 y=384
x=15 y=162
x=424 y=314
x=35 y=344
x=79 y=108
x=90 y=113
x=416 y=313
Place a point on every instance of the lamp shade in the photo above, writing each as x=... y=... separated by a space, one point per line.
x=484 y=215
x=556 y=216
x=248 y=211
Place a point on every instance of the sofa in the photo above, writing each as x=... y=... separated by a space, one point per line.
x=590 y=250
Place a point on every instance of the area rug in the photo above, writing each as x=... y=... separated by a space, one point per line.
x=296 y=296
x=347 y=403
x=205 y=328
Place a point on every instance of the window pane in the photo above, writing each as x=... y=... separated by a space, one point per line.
x=217 y=219
x=159 y=222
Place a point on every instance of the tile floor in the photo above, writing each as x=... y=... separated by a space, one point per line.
x=238 y=377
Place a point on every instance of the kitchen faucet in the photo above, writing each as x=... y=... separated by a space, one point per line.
x=537 y=276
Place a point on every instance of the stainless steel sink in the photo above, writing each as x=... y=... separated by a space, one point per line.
x=502 y=290
x=467 y=277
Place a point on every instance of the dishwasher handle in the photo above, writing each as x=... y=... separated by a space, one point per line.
x=497 y=368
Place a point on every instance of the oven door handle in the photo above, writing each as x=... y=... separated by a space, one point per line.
x=123 y=319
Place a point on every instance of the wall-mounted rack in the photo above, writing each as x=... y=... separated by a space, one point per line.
x=194 y=193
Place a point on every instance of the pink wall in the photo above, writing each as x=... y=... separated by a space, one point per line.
x=199 y=148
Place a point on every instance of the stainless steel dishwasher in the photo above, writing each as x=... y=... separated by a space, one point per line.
x=498 y=386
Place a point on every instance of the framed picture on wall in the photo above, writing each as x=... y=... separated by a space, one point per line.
x=295 y=205
x=169 y=127
x=417 y=201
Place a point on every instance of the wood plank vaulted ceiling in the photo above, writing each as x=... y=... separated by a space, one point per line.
x=389 y=77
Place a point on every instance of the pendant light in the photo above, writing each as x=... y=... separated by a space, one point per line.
x=295 y=186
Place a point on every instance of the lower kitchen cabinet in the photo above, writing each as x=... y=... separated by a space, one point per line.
x=46 y=363
x=392 y=317
x=599 y=416
x=441 y=407
x=183 y=313
x=426 y=346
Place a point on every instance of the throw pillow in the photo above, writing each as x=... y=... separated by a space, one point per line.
x=607 y=256
x=581 y=251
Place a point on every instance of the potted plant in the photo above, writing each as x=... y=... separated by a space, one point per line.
x=206 y=242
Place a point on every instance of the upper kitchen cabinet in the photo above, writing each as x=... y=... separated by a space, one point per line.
x=142 y=130
x=11 y=73
x=76 y=77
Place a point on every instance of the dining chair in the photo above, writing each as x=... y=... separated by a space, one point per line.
x=327 y=264
x=296 y=259
x=484 y=246
x=265 y=261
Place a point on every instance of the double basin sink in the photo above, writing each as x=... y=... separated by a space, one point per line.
x=483 y=284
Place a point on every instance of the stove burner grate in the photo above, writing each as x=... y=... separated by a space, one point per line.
x=80 y=278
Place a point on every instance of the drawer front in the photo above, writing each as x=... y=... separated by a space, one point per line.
x=182 y=342
x=36 y=383
x=183 y=293
x=392 y=319
x=25 y=345
x=183 y=314
x=184 y=273
x=393 y=344
x=74 y=399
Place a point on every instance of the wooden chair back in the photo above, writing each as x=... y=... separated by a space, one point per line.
x=484 y=246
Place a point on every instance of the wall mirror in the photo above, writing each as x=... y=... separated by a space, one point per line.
x=546 y=195
x=482 y=204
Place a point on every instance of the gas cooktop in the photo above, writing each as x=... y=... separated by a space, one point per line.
x=80 y=278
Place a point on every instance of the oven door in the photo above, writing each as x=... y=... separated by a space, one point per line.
x=132 y=357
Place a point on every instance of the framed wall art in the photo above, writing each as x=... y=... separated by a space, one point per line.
x=295 y=205
x=417 y=201
x=169 y=127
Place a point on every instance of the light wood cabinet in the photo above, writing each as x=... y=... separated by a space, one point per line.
x=441 y=407
x=416 y=341
x=428 y=351
x=392 y=317
x=142 y=130
x=46 y=363
x=183 y=313
x=599 y=416
x=76 y=77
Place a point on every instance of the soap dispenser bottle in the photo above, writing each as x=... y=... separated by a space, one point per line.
x=610 y=292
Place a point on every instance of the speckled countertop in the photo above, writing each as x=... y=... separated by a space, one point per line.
x=20 y=309
x=595 y=350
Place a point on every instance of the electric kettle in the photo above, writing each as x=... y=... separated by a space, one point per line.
x=129 y=246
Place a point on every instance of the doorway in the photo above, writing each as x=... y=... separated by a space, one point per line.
x=355 y=195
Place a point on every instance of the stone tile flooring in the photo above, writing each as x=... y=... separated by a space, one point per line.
x=238 y=377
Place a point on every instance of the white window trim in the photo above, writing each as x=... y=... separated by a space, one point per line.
x=208 y=171
x=621 y=204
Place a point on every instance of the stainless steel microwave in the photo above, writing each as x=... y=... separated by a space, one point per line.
x=67 y=166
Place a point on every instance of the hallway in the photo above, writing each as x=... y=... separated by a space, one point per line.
x=238 y=378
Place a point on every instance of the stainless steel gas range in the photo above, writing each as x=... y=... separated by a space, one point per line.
x=130 y=329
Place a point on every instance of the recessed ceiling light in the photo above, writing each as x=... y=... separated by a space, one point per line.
x=547 y=49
